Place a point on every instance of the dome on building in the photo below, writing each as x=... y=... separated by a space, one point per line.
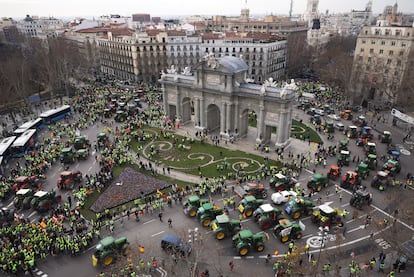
x=233 y=64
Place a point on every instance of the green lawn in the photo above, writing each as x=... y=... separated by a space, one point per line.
x=300 y=130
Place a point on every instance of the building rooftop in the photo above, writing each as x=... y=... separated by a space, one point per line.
x=233 y=64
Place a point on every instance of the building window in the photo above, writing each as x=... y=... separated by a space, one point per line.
x=371 y=50
x=386 y=71
x=389 y=61
x=392 y=43
x=391 y=52
x=403 y=44
x=381 y=51
x=369 y=59
x=382 y=42
x=398 y=33
x=399 y=62
x=364 y=41
x=401 y=53
x=372 y=41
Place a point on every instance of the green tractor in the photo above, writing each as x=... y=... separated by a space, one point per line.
x=393 y=167
x=351 y=132
x=107 y=113
x=82 y=154
x=67 y=155
x=23 y=198
x=317 y=182
x=81 y=143
x=343 y=144
x=371 y=161
x=370 y=148
x=121 y=116
x=326 y=216
x=386 y=137
x=43 y=201
x=361 y=121
x=287 y=230
x=298 y=207
x=344 y=158
x=102 y=138
x=224 y=227
x=108 y=249
x=192 y=204
x=248 y=205
x=207 y=212
x=281 y=182
x=329 y=127
x=267 y=216
x=362 y=170
x=245 y=240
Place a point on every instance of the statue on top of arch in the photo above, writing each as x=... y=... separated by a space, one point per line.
x=172 y=70
x=270 y=83
x=186 y=71
x=211 y=60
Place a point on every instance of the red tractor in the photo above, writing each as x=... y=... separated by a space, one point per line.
x=68 y=179
x=25 y=182
x=334 y=172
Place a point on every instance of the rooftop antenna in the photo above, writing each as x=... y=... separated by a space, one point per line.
x=291 y=9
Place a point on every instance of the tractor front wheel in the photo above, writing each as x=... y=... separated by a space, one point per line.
x=220 y=235
x=108 y=260
x=284 y=239
x=318 y=188
x=299 y=235
x=206 y=222
x=260 y=247
x=192 y=213
x=248 y=212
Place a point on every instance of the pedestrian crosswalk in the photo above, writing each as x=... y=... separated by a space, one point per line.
x=38 y=272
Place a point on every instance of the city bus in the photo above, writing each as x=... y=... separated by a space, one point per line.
x=32 y=124
x=23 y=143
x=54 y=115
x=5 y=149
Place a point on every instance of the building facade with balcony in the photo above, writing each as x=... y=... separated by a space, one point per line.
x=383 y=64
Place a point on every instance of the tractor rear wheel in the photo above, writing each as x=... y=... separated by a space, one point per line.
x=264 y=194
x=220 y=235
x=265 y=225
x=108 y=260
x=248 y=212
x=284 y=239
x=296 y=215
x=318 y=188
x=206 y=222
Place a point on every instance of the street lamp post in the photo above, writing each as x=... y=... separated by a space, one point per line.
x=324 y=232
x=192 y=240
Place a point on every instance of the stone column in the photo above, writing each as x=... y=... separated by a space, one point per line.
x=260 y=124
x=178 y=105
x=228 y=117
x=196 y=112
x=165 y=101
x=223 y=117
x=202 y=113
x=236 y=118
x=283 y=131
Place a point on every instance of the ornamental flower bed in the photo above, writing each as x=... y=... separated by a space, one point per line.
x=129 y=186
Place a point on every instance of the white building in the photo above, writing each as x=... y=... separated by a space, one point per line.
x=41 y=27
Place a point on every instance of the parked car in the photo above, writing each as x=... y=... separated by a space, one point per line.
x=283 y=196
x=334 y=117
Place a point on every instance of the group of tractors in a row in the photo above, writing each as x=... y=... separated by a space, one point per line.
x=266 y=215
x=29 y=193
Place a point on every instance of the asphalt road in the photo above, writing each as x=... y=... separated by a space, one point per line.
x=215 y=255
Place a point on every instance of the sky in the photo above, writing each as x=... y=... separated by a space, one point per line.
x=68 y=8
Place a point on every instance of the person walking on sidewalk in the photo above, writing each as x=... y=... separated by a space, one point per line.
x=160 y=216
x=170 y=222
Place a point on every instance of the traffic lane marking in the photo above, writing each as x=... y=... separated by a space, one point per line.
x=148 y=221
x=89 y=169
x=387 y=214
x=156 y=234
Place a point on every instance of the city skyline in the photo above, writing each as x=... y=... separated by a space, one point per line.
x=74 y=8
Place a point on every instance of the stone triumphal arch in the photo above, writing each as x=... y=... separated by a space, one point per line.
x=217 y=98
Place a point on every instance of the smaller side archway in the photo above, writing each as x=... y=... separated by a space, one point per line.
x=186 y=109
x=213 y=118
